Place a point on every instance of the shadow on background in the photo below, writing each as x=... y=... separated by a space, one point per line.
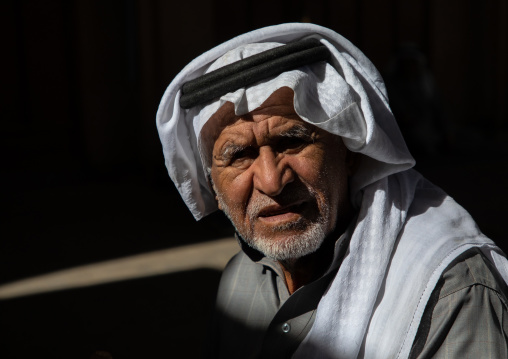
x=159 y=317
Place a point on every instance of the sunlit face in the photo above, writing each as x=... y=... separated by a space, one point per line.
x=282 y=182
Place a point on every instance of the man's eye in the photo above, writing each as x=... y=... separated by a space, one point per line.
x=242 y=157
x=292 y=143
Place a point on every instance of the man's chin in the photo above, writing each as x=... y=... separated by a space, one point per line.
x=290 y=245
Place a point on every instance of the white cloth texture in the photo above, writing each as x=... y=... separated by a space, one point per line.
x=408 y=230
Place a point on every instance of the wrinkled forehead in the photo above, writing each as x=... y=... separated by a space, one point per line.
x=279 y=103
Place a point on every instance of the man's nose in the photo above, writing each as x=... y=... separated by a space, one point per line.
x=271 y=174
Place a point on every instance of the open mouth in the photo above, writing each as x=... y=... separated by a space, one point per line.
x=281 y=213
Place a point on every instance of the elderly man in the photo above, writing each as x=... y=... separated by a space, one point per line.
x=346 y=251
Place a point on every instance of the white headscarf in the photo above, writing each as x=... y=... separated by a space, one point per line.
x=408 y=231
x=346 y=97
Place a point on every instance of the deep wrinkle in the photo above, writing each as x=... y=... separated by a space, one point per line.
x=296 y=133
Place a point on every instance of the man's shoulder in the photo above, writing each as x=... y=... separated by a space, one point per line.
x=466 y=312
x=240 y=262
x=236 y=261
x=240 y=272
x=472 y=269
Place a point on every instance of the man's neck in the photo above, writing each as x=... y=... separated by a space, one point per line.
x=301 y=271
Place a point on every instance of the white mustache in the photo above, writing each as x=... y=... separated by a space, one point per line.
x=287 y=198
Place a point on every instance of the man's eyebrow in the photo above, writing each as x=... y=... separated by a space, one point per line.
x=297 y=131
x=230 y=150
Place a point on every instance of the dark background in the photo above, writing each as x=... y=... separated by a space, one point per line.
x=82 y=171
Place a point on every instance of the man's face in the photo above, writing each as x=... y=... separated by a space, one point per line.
x=281 y=181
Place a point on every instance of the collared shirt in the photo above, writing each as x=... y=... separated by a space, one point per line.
x=255 y=308
x=257 y=318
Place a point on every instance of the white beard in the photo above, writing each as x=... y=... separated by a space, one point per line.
x=294 y=246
